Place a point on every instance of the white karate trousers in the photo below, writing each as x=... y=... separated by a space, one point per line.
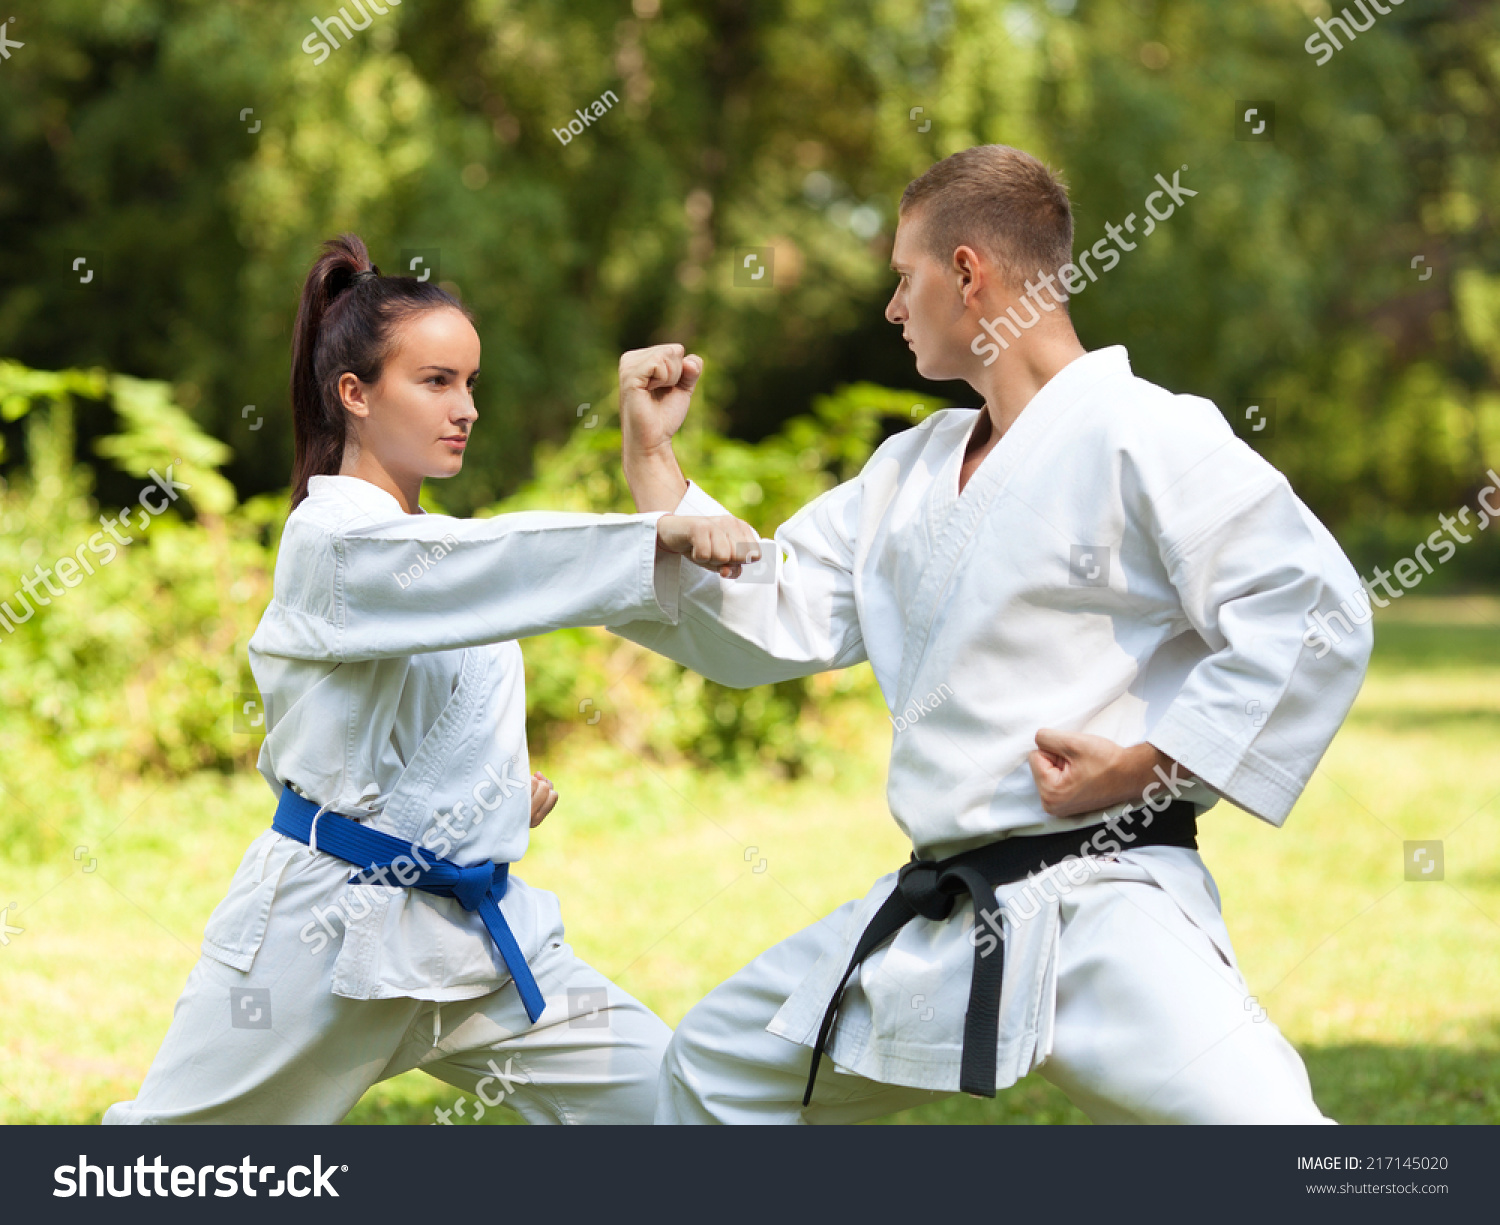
x=592 y=1057
x=1143 y=1029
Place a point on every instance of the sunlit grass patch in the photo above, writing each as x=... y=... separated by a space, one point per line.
x=672 y=878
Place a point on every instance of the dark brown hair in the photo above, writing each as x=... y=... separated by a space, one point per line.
x=998 y=200
x=345 y=322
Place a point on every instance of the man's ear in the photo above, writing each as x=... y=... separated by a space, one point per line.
x=352 y=394
x=968 y=272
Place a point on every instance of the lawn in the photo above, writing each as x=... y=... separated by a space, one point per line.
x=671 y=879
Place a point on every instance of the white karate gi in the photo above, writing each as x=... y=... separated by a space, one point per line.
x=1118 y=564
x=401 y=701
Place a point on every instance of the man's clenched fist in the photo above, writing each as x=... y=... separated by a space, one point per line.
x=1077 y=774
x=656 y=388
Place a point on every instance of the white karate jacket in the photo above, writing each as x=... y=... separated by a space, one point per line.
x=1121 y=564
x=395 y=692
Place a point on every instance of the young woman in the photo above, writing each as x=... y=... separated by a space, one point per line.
x=374 y=928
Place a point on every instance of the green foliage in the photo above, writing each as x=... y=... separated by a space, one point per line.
x=158 y=433
x=130 y=668
x=1288 y=276
x=20 y=388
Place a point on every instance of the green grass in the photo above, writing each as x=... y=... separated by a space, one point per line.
x=1391 y=990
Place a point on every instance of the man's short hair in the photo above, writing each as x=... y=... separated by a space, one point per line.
x=997 y=200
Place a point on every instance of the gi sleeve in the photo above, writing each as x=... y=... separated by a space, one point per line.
x=434 y=583
x=793 y=614
x=1257 y=575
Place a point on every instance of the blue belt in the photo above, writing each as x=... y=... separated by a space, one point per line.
x=478 y=887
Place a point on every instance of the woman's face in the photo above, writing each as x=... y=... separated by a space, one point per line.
x=415 y=420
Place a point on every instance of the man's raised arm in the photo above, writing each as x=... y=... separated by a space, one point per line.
x=656 y=388
x=793 y=615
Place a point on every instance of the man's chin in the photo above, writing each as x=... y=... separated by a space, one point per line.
x=932 y=371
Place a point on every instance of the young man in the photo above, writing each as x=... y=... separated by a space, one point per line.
x=1088 y=602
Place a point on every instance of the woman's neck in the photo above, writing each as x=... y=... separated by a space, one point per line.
x=407 y=490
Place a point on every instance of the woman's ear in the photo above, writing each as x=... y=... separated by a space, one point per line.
x=352 y=394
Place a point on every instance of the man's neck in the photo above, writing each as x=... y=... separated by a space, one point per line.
x=1022 y=370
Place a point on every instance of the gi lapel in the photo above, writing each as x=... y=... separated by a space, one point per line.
x=1045 y=411
x=408 y=808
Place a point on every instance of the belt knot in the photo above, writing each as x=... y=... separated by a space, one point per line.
x=928 y=891
x=473 y=883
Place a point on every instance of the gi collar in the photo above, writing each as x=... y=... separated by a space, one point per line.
x=357 y=495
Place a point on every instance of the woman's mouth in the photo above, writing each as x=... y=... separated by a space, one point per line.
x=457 y=441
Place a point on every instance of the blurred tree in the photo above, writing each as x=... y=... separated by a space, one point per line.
x=195 y=153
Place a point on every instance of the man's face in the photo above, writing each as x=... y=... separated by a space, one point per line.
x=929 y=304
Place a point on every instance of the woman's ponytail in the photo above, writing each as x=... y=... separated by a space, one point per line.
x=318 y=429
x=345 y=323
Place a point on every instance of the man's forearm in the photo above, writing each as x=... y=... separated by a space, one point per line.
x=655 y=479
x=1143 y=764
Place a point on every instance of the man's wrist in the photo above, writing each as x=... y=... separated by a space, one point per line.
x=1136 y=769
x=657 y=453
x=655 y=478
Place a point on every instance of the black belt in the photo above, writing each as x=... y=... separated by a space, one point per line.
x=929 y=888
